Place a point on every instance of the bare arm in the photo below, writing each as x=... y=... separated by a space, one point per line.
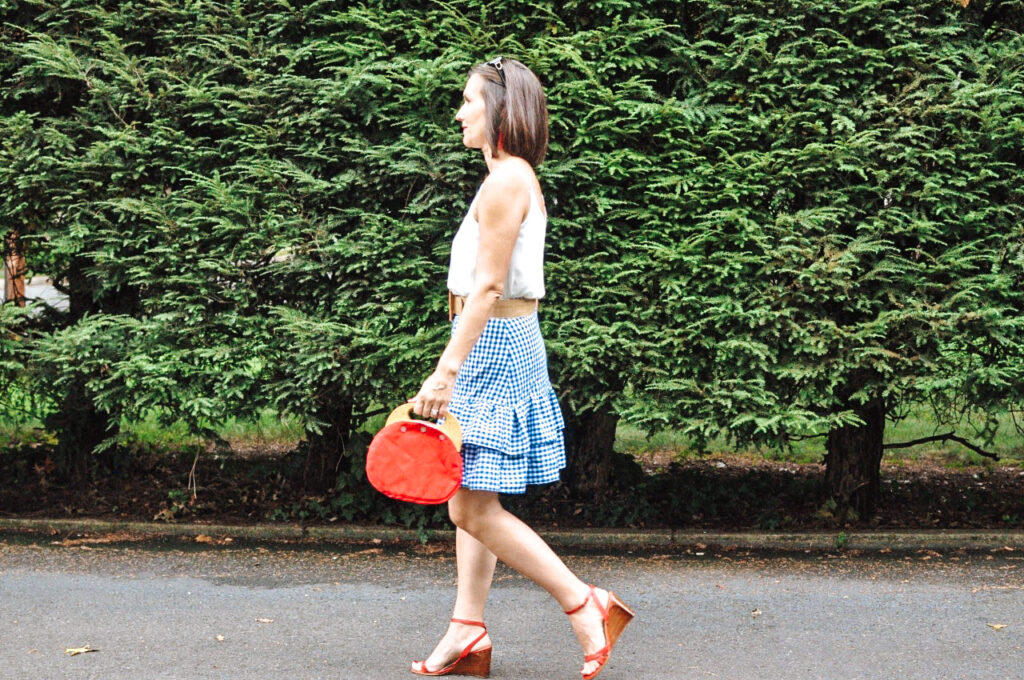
x=504 y=201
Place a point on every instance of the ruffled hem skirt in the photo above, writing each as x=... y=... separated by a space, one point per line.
x=511 y=422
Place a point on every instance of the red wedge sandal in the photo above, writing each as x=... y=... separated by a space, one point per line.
x=476 y=663
x=616 y=617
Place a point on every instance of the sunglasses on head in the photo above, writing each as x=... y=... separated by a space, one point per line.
x=496 y=63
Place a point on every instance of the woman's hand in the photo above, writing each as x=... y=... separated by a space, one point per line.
x=432 y=399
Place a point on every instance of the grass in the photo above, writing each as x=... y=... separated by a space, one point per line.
x=1008 y=444
x=269 y=430
x=20 y=418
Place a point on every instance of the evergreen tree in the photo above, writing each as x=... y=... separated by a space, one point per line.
x=846 y=235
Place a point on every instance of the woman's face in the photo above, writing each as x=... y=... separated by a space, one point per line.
x=472 y=114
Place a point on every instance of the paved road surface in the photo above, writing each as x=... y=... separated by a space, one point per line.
x=157 y=611
x=40 y=289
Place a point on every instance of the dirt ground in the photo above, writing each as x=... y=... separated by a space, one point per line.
x=722 y=492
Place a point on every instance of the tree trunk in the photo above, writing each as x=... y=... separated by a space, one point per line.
x=14 y=270
x=78 y=425
x=590 y=440
x=79 y=428
x=324 y=451
x=853 y=464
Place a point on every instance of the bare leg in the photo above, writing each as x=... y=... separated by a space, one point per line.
x=480 y=514
x=475 y=565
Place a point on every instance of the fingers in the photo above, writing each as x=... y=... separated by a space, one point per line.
x=430 y=410
x=430 y=404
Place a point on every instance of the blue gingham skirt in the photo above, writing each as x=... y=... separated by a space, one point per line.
x=509 y=415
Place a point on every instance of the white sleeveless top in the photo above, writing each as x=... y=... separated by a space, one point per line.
x=525 y=278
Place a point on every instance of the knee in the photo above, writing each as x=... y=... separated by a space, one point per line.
x=469 y=512
x=461 y=515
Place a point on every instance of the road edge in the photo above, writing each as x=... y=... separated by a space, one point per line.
x=576 y=538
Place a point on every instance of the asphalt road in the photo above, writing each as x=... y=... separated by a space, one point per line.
x=178 y=609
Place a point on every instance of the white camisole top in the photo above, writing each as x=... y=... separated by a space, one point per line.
x=525 y=278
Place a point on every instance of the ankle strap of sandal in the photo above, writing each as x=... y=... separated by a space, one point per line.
x=467 y=622
x=591 y=594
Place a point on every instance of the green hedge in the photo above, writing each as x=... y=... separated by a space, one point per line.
x=847 y=224
x=763 y=214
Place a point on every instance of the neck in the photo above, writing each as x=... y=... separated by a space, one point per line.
x=492 y=159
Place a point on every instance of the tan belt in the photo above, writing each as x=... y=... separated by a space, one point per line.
x=503 y=309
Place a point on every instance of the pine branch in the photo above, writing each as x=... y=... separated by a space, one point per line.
x=942 y=438
x=803 y=437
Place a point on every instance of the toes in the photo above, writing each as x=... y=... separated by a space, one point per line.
x=420 y=667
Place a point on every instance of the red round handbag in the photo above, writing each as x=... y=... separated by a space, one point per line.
x=416 y=460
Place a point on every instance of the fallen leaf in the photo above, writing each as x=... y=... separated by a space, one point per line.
x=46 y=468
x=165 y=515
x=997 y=626
x=116 y=537
x=203 y=538
x=75 y=651
x=264 y=620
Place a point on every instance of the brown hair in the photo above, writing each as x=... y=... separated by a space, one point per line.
x=517 y=114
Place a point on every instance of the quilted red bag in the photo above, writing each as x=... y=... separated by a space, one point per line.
x=416 y=460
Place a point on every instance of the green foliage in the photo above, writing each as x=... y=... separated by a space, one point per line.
x=762 y=213
x=846 y=224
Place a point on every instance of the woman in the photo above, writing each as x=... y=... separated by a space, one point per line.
x=493 y=377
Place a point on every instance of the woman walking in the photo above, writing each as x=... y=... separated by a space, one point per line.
x=493 y=377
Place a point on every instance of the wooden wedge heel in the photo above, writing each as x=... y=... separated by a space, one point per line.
x=615 y=617
x=470 y=662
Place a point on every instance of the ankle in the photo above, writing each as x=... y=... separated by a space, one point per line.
x=461 y=631
x=583 y=599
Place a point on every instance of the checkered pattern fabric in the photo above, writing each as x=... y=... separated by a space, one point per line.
x=511 y=422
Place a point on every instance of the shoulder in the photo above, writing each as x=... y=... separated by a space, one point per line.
x=507 y=188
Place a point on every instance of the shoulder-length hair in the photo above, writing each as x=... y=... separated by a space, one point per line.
x=517 y=114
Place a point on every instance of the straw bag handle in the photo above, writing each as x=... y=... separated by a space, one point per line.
x=450 y=426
